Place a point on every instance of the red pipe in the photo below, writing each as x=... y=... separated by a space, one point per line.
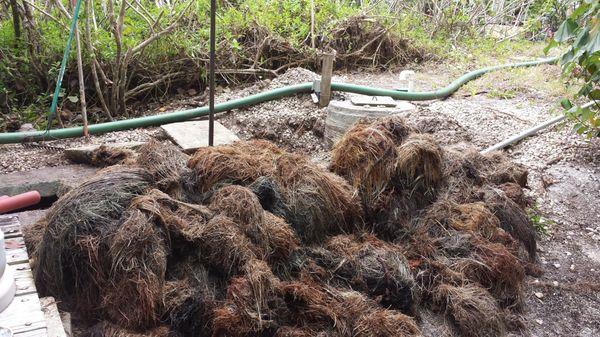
x=19 y=201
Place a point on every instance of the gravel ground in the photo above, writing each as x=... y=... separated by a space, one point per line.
x=564 y=173
x=17 y=157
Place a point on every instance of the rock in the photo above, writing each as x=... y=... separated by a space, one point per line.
x=27 y=127
x=192 y=92
x=539 y=321
x=539 y=295
x=308 y=104
x=555 y=283
x=556 y=265
x=48 y=181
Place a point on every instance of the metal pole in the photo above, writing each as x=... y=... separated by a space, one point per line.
x=529 y=132
x=211 y=74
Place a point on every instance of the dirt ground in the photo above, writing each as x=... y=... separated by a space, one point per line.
x=564 y=169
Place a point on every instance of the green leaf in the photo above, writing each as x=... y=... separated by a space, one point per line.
x=595 y=94
x=594 y=44
x=566 y=104
x=568 y=56
x=549 y=46
x=566 y=30
x=582 y=39
x=73 y=99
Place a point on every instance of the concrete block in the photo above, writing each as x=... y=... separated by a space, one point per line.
x=194 y=134
x=48 y=180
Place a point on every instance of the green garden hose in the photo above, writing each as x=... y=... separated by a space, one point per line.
x=63 y=64
x=178 y=116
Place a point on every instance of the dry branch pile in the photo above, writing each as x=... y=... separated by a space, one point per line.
x=249 y=240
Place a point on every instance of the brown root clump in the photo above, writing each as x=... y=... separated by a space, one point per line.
x=183 y=221
x=223 y=245
x=71 y=259
x=375 y=267
x=250 y=305
x=515 y=193
x=395 y=126
x=242 y=206
x=281 y=239
x=189 y=304
x=419 y=163
x=165 y=162
x=138 y=255
x=108 y=156
x=106 y=329
x=472 y=309
x=366 y=157
x=495 y=268
x=513 y=219
x=318 y=202
x=383 y=323
x=445 y=215
x=466 y=170
x=238 y=163
x=33 y=236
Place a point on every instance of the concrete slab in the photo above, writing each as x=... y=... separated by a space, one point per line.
x=49 y=181
x=82 y=153
x=193 y=135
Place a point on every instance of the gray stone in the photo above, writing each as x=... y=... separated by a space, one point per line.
x=48 y=180
x=194 y=134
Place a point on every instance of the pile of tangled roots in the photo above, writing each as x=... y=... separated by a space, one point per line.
x=398 y=235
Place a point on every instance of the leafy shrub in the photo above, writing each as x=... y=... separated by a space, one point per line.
x=580 y=32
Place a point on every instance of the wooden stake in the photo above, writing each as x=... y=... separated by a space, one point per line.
x=81 y=84
x=312 y=23
x=326 y=73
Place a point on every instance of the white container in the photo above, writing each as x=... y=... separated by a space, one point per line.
x=2 y=254
x=7 y=278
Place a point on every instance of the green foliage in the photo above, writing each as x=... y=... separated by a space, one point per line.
x=540 y=223
x=545 y=16
x=581 y=64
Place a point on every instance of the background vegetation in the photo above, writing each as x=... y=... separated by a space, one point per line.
x=137 y=50
x=581 y=64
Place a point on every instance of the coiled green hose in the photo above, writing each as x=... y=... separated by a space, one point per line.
x=178 y=116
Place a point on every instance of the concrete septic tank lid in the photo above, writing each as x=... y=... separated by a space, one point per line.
x=341 y=115
x=7 y=279
x=371 y=111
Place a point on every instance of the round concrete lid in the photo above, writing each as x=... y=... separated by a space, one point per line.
x=373 y=111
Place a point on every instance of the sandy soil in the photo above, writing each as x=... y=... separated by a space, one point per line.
x=564 y=172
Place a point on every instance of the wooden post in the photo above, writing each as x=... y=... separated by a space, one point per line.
x=326 y=72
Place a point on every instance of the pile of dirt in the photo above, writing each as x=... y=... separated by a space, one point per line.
x=250 y=240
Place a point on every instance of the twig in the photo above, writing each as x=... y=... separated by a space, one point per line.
x=47 y=14
x=147 y=86
x=92 y=50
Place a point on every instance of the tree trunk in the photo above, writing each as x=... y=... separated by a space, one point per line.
x=16 y=19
